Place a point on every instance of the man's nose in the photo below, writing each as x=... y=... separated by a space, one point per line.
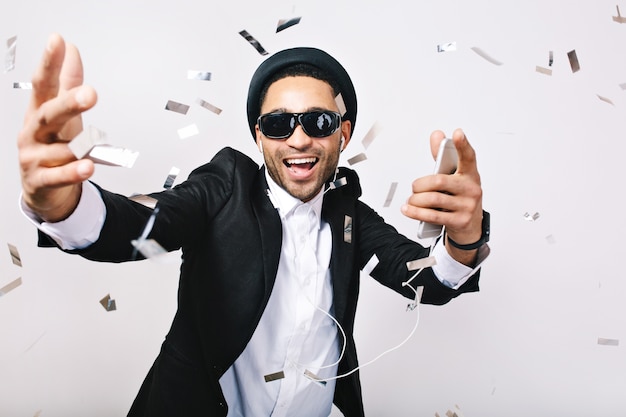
x=299 y=139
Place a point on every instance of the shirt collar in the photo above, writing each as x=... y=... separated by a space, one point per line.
x=285 y=203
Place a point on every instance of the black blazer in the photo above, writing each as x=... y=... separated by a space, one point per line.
x=230 y=235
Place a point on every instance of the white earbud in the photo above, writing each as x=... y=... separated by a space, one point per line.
x=343 y=140
x=261 y=146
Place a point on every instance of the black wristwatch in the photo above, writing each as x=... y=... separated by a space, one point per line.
x=484 y=238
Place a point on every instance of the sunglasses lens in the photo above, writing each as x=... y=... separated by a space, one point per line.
x=277 y=125
x=319 y=124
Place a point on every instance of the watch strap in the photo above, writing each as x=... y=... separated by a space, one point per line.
x=484 y=238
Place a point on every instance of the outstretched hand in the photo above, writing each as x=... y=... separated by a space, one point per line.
x=51 y=174
x=454 y=201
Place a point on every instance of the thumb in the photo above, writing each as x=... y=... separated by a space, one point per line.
x=467 y=155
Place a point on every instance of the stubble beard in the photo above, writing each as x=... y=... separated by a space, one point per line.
x=306 y=190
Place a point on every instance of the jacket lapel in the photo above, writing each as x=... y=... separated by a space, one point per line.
x=339 y=214
x=270 y=229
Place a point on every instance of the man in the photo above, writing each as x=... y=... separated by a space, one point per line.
x=271 y=256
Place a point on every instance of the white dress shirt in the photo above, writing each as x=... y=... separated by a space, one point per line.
x=296 y=332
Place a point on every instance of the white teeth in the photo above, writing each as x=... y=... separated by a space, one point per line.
x=300 y=161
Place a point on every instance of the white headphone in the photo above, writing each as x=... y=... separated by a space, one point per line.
x=343 y=140
x=261 y=146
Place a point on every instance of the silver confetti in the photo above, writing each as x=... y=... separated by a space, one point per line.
x=421 y=263
x=92 y=143
x=371 y=264
x=622 y=86
x=15 y=255
x=338 y=183
x=108 y=303
x=550 y=58
x=176 y=107
x=199 y=75
x=446 y=47
x=9 y=59
x=253 y=42
x=606 y=100
x=113 y=156
x=531 y=218
x=347 y=229
x=144 y=200
x=573 y=60
x=390 y=194
x=371 y=135
x=287 y=23
x=10 y=286
x=542 y=70
x=341 y=105
x=23 y=85
x=357 y=158
x=619 y=18
x=608 y=342
x=551 y=239
x=149 y=248
x=209 y=106
x=171 y=177
x=86 y=140
x=486 y=56
x=275 y=376
x=188 y=131
x=313 y=377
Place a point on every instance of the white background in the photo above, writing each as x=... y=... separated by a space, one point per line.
x=525 y=345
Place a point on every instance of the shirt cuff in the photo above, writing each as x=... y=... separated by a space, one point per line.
x=81 y=228
x=452 y=273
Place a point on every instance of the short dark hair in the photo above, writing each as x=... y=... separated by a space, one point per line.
x=299 y=70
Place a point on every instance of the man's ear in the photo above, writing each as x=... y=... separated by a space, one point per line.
x=346 y=130
x=259 y=141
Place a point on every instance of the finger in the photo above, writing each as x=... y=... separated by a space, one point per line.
x=435 y=140
x=467 y=155
x=426 y=214
x=447 y=192
x=68 y=174
x=45 y=80
x=52 y=155
x=53 y=115
x=72 y=70
x=439 y=208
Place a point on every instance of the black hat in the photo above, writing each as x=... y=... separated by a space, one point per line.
x=289 y=57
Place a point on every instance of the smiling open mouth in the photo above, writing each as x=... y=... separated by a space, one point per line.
x=300 y=164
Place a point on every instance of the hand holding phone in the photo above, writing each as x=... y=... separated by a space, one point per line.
x=446 y=163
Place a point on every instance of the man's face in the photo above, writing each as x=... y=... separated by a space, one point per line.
x=301 y=164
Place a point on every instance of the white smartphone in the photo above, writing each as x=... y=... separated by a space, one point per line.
x=446 y=163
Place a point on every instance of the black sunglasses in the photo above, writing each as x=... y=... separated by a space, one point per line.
x=316 y=124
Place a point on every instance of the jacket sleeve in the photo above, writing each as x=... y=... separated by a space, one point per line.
x=393 y=251
x=184 y=213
